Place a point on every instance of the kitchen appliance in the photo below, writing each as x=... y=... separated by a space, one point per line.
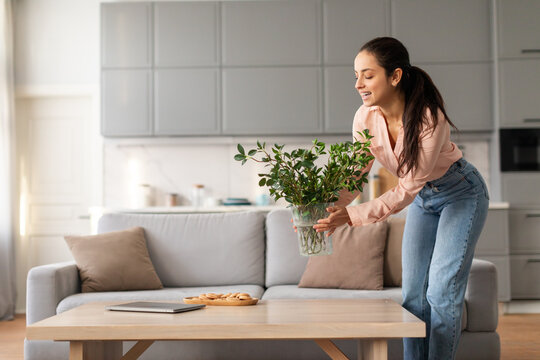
x=520 y=149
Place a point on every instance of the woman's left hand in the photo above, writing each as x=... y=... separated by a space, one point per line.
x=338 y=217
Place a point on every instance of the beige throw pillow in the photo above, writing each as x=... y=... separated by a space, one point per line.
x=114 y=261
x=355 y=263
x=392 y=254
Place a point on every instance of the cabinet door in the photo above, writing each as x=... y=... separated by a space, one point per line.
x=525 y=275
x=521 y=188
x=125 y=34
x=446 y=30
x=466 y=90
x=502 y=264
x=186 y=101
x=341 y=99
x=525 y=230
x=272 y=100
x=126 y=102
x=518 y=28
x=349 y=24
x=271 y=32
x=494 y=237
x=186 y=33
x=519 y=93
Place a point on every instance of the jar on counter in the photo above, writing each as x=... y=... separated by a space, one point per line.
x=197 y=195
x=145 y=196
x=172 y=199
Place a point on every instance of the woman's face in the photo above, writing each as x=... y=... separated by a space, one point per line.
x=372 y=84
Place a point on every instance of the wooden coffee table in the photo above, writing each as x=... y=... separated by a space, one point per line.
x=96 y=333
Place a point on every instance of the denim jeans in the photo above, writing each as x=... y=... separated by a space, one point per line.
x=442 y=227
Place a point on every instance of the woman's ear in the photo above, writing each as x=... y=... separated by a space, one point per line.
x=396 y=77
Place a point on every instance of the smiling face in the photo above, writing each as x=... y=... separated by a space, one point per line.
x=372 y=84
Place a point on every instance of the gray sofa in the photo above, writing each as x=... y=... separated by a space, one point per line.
x=193 y=253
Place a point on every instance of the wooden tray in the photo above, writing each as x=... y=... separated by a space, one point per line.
x=220 y=302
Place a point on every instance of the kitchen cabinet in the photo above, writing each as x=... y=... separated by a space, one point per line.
x=186 y=101
x=519 y=92
x=525 y=230
x=271 y=33
x=126 y=102
x=463 y=88
x=518 y=28
x=493 y=246
x=126 y=35
x=443 y=31
x=525 y=270
x=348 y=24
x=283 y=100
x=521 y=188
x=341 y=99
x=186 y=34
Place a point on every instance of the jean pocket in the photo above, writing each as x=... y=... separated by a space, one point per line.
x=475 y=179
x=453 y=182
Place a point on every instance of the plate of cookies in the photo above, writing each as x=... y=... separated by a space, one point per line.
x=229 y=299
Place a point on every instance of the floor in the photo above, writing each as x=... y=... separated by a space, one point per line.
x=520 y=337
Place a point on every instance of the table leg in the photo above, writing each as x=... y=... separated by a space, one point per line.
x=331 y=349
x=95 y=350
x=372 y=349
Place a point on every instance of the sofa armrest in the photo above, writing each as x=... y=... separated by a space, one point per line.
x=481 y=297
x=46 y=286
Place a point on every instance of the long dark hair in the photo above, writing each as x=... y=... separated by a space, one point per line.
x=420 y=92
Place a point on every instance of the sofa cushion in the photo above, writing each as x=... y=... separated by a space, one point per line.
x=200 y=249
x=392 y=253
x=355 y=263
x=165 y=294
x=294 y=292
x=284 y=264
x=113 y=261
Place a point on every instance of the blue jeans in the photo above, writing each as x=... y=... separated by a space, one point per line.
x=442 y=227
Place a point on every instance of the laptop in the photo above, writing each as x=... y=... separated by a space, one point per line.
x=147 y=306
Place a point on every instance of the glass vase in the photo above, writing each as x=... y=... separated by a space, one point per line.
x=311 y=242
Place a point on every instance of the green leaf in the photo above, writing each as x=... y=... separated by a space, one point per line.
x=258 y=144
x=244 y=161
x=252 y=152
x=241 y=149
x=239 y=157
x=262 y=182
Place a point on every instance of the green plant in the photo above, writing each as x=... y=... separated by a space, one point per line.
x=295 y=177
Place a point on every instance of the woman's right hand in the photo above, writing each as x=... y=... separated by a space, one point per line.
x=293 y=226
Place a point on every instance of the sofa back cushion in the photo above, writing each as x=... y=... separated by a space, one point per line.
x=392 y=252
x=200 y=249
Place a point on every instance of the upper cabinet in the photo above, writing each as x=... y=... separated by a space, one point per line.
x=443 y=31
x=186 y=34
x=271 y=33
x=349 y=24
x=126 y=35
x=518 y=28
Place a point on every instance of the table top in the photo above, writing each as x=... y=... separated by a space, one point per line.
x=269 y=319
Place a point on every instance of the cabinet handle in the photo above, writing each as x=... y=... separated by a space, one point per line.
x=532 y=215
x=530 y=51
x=533 y=261
x=531 y=120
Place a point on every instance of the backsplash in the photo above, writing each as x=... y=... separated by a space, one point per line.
x=175 y=168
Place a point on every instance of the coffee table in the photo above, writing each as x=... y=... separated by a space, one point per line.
x=96 y=333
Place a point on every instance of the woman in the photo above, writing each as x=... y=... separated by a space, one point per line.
x=447 y=197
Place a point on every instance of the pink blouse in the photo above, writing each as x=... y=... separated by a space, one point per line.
x=436 y=154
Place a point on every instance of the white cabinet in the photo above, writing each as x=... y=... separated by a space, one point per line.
x=186 y=101
x=126 y=102
x=443 y=31
x=186 y=34
x=518 y=28
x=519 y=92
x=284 y=100
x=341 y=99
x=525 y=230
x=271 y=33
x=125 y=34
x=466 y=90
x=521 y=188
x=525 y=270
x=349 y=24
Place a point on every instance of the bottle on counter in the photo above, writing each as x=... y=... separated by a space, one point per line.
x=172 y=199
x=197 y=195
x=145 y=196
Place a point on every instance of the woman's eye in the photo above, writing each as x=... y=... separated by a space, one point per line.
x=369 y=77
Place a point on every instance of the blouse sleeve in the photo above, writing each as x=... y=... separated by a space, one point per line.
x=394 y=200
x=345 y=196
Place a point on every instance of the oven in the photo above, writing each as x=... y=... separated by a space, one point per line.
x=520 y=149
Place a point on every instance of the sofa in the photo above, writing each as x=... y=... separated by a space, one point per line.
x=248 y=251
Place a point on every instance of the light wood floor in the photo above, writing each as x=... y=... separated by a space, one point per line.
x=520 y=337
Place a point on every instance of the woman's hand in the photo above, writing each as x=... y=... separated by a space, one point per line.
x=338 y=217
